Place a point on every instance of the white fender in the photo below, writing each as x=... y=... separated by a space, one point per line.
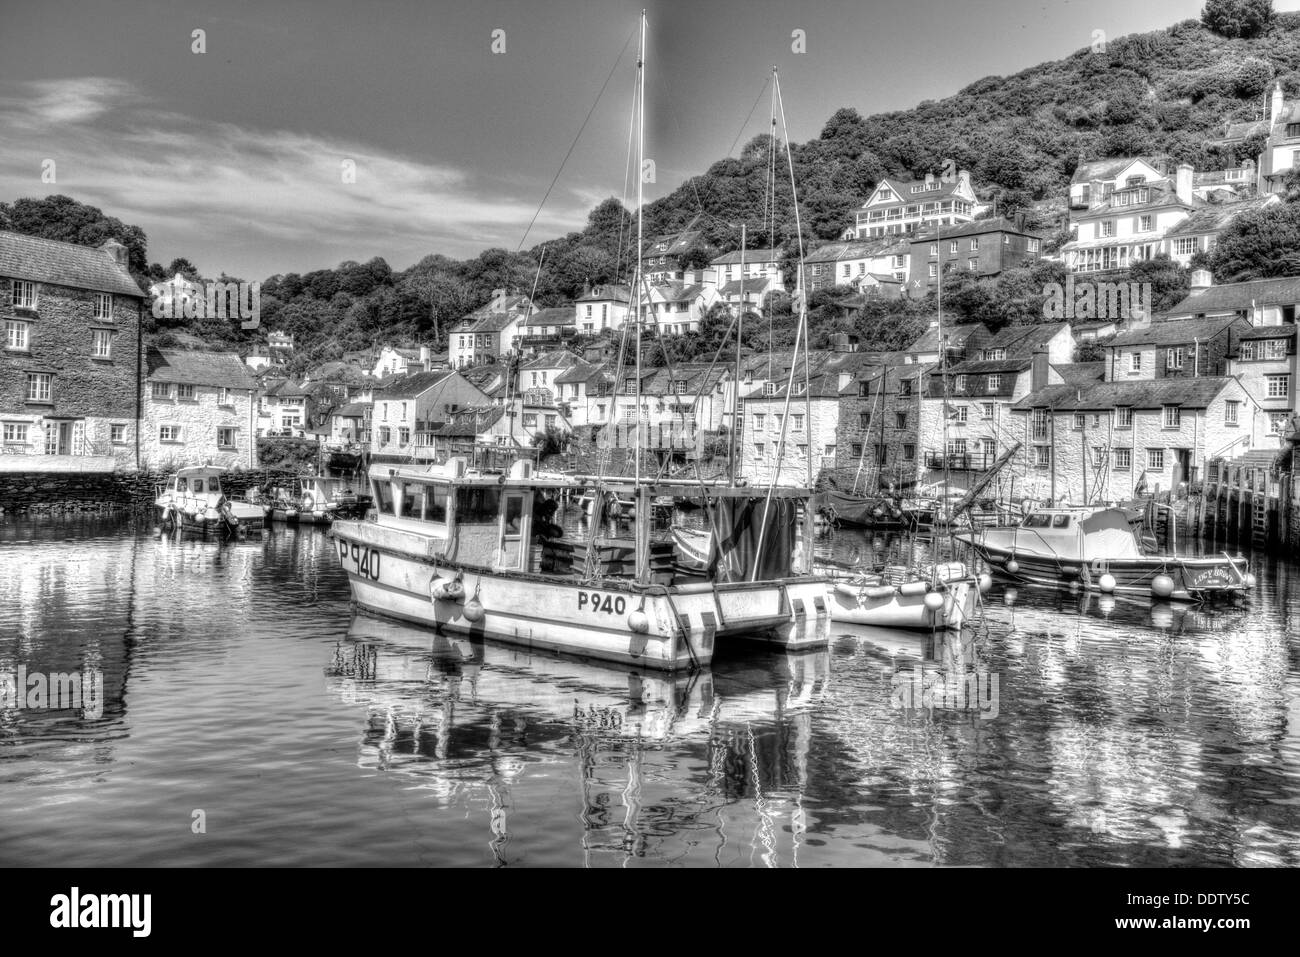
x=912 y=588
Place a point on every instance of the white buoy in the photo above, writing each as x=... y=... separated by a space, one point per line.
x=1106 y=583
x=639 y=621
x=933 y=600
x=1162 y=586
x=1012 y=566
x=473 y=609
x=1249 y=580
x=985 y=582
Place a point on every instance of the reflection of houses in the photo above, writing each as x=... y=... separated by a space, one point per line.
x=409 y=411
x=69 y=359
x=198 y=410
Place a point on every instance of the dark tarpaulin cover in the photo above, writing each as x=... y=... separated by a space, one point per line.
x=738 y=523
x=850 y=509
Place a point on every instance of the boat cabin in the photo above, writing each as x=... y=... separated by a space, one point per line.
x=195 y=487
x=502 y=522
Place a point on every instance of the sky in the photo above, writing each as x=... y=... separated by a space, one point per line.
x=236 y=157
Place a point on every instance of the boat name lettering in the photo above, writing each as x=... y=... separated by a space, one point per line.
x=365 y=559
x=609 y=604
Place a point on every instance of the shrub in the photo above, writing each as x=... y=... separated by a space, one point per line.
x=1238 y=18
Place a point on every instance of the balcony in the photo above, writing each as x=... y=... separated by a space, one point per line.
x=960 y=461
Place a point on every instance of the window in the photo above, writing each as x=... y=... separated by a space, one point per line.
x=102 y=344
x=974 y=244
x=1277 y=422
x=16 y=336
x=909 y=452
x=759 y=421
x=1174 y=357
x=1247 y=350
x=1123 y=417
x=1135 y=362
x=934 y=251
x=1274 y=348
x=103 y=306
x=40 y=386
x=960 y=414
x=847 y=268
x=117 y=434
x=226 y=437
x=1033 y=245
x=973 y=265
x=856 y=450
x=934 y=270
x=530 y=420
x=385 y=435
x=1042 y=456
x=798 y=423
x=900 y=420
x=161 y=390
x=1123 y=459
x=1230 y=412
x=679 y=387
x=954 y=247
x=1098 y=456
x=1042 y=425
x=995 y=355
x=1144 y=223
x=1172 y=418
x=15 y=432
x=760 y=451
x=24 y=294
x=959 y=383
x=956 y=447
x=1108 y=227
x=223 y=396
x=904 y=388
x=1155 y=460
x=184 y=391
x=769 y=388
x=403 y=436
x=1185 y=246
x=778 y=421
x=986 y=410
x=1079 y=422
x=995 y=383
x=1279 y=386
x=169 y=433
x=864 y=420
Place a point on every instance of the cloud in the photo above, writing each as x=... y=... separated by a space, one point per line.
x=227 y=186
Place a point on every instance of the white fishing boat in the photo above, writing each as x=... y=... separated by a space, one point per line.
x=193 y=501
x=456 y=550
x=935 y=597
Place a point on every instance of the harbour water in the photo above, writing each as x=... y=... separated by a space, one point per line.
x=247 y=716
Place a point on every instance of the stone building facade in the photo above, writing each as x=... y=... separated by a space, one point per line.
x=199 y=409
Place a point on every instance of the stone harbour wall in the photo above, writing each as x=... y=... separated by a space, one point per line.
x=42 y=492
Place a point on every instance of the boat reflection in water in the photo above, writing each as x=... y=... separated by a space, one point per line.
x=722 y=750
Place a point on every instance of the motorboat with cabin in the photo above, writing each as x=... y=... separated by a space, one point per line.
x=474 y=553
x=1104 y=550
x=194 y=501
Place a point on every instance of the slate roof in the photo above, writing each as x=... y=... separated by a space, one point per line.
x=677 y=291
x=1173 y=332
x=197 y=367
x=1234 y=132
x=1023 y=340
x=607 y=293
x=410 y=386
x=1108 y=169
x=492 y=322
x=751 y=256
x=903 y=189
x=556 y=359
x=1216 y=216
x=754 y=286
x=1284 y=331
x=471 y=422
x=1162 y=193
x=957 y=336
x=1080 y=373
x=859 y=249
x=669 y=244
x=64 y=264
x=554 y=316
x=354 y=410
x=975 y=227
x=1192 y=393
x=1230 y=297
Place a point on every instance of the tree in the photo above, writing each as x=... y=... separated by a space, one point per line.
x=1238 y=18
x=1259 y=245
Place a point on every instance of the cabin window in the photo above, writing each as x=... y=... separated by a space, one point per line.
x=478 y=505
x=435 y=503
x=1037 y=521
x=412 y=500
x=384 y=497
x=1060 y=521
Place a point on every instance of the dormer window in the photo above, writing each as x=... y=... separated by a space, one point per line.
x=995 y=355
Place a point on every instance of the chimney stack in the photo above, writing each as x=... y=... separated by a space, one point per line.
x=116 y=250
x=1038 y=371
x=1183 y=183
x=1201 y=279
x=1275 y=104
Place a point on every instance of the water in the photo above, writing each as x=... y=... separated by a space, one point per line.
x=237 y=682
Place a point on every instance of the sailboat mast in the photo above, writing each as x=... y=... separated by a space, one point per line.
x=740 y=331
x=642 y=499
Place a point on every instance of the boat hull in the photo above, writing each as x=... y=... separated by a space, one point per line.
x=566 y=615
x=901 y=607
x=1195 y=579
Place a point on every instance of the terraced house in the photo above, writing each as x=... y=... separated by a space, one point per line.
x=198 y=410
x=70 y=372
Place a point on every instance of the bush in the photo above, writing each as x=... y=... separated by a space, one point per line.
x=1238 y=18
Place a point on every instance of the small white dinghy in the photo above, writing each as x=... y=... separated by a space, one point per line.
x=922 y=598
